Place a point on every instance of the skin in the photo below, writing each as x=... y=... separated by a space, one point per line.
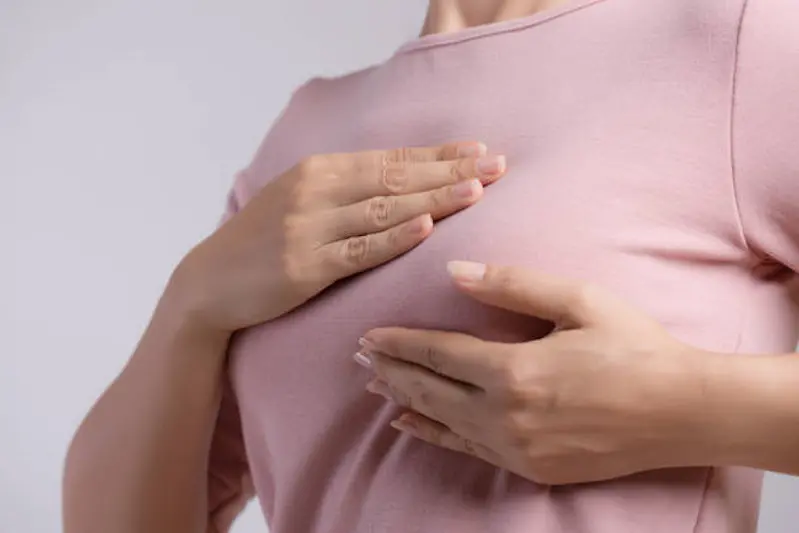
x=138 y=462
x=452 y=15
x=608 y=393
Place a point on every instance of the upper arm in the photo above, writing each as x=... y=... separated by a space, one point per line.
x=766 y=129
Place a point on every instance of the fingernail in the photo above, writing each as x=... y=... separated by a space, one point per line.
x=401 y=426
x=363 y=359
x=466 y=189
x=420 y=225
x=491 y=165
x=466 y=270
x=472 y=150
x=366 y=344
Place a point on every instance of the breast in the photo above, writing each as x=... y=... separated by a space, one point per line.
x=308 y=352
x=326 y=441
x=603 y=181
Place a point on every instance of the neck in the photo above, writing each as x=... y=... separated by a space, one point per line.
x=445 y=16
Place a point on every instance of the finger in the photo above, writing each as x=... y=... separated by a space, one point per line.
x=366 y=179
x=420 y=154
x=344 y=258
x=377 y=160
x=456 y=356
x=440 y=435
x=382 y=212
x=567 y=303
x=418 y=389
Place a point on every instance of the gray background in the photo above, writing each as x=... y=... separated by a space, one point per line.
x=122 y=123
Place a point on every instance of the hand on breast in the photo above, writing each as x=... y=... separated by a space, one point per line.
x=329 y=217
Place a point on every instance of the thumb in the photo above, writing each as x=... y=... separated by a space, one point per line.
x=565 y=302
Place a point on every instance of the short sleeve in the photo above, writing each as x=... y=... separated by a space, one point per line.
x=765 y=129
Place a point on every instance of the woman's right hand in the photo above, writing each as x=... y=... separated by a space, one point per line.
x=329 y=217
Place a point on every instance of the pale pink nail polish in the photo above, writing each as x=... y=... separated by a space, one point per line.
x=472 y=150
x=466 y=271
x=362 y=359
x=420 y=225
x=400 y=426
x=466 y=189
x=366 y=344
x=491 y=165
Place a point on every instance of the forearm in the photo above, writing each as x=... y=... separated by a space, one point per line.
x=138 y=463
x=748 y=412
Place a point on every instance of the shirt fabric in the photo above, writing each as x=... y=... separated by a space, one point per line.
x=653 y=148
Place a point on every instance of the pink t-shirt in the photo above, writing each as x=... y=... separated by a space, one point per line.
x=653 y=148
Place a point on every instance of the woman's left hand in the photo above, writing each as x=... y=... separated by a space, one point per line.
x=607 y=394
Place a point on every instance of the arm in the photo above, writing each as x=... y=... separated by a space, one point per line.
x=609 y=393
x=139 y=460
x=147 y=458
x=750 y=412
x=754 y=401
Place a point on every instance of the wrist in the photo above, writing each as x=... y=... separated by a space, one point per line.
x=179 y=352
x=711 y=409
x=685 y=430
x=745 y=411
x=179 y=332
x=183 y=317
x=187 y=304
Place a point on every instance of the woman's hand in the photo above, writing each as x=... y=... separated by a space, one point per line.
x=608 y=393
x=329 y=217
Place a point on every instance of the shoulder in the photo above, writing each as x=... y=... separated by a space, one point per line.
x=330 y=90
x=316 y=106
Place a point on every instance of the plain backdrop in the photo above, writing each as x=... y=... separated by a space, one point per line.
x=122 y=123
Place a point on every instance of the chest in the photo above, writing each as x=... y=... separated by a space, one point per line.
x=619 y=174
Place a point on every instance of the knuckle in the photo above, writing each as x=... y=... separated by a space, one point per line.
x=379 y=210
x=314 y=175
x=525 y=388
x=470 y=447
x=402 y=399
x=292 y=228
x=300 y=194
x=356 y=250
x=435 y=438
x=432 y=359
x=399 y=155
x=392 y=167
x=394 y=178
x=438 y=201
x=425 y=399
x=297 y=272
x=516 y=425
x=458 y=172
x=312 y=165
x=513 y=372
x=585 y=298
x=393 y=238
x=543 y=399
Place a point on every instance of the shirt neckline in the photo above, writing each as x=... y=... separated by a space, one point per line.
x=476 y=32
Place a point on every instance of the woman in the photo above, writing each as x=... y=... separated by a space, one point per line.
x=646 y=147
